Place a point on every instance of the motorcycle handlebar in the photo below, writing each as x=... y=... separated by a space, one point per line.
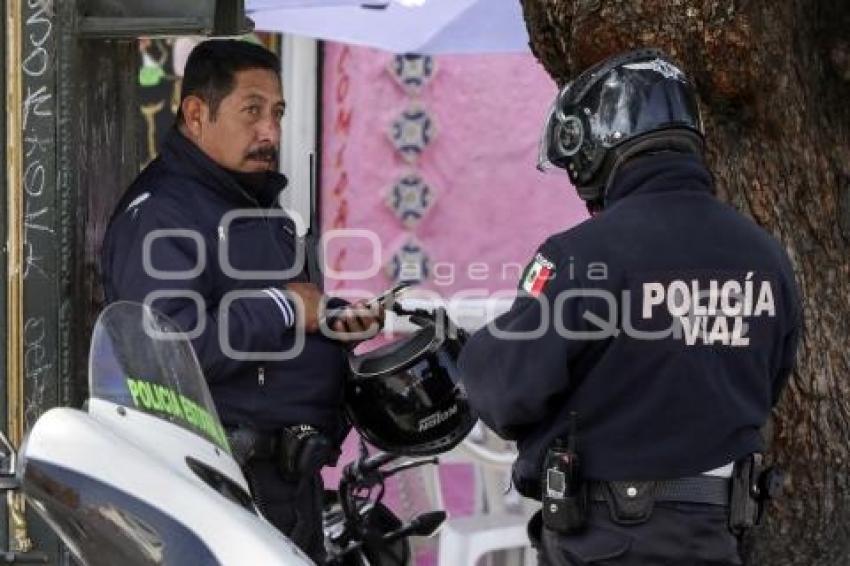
x=366 y=466
x=408 y=465
x=424 y=525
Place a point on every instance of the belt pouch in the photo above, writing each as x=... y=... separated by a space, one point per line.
x=630 y=502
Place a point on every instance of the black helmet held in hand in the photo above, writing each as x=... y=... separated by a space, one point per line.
x=633 y=103
x=405 y=397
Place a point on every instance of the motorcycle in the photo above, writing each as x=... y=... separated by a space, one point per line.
x=359 y=529
x=143 y=474
x=105 y=477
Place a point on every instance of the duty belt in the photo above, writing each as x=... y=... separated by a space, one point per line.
x=631 y=502
x=708 y=490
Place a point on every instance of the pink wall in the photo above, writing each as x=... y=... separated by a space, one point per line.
x=492 y=205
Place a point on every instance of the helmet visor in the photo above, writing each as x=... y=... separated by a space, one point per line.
x=561 y=138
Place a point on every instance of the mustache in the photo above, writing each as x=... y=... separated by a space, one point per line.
x=265 y=153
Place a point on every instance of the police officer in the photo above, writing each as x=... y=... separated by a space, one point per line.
x=200 y=236
x=647 y=345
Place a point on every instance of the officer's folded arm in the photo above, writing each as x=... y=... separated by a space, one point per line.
x=260 y=322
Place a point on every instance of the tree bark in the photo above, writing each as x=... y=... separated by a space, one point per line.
x=773 y=78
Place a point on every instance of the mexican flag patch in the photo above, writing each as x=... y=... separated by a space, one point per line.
x=537 y=274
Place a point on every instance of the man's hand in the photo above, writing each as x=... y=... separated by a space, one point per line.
x=358 y=322
x=311 y=301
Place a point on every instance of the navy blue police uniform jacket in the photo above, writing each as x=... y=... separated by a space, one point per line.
x=222 y=272
x=668 y=323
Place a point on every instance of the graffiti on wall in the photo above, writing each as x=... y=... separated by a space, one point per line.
x=39 y=207
x=339 y=142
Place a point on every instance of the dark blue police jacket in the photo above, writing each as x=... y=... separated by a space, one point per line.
x=669 y=323
x=184 y=190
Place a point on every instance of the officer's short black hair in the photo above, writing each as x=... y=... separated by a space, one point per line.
x=211 y=69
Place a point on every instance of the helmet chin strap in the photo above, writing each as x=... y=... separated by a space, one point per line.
x=595 y=195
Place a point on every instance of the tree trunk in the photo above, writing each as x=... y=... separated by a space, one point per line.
x=774 y=85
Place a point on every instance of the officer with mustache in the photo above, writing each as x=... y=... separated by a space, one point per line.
x=200 y=235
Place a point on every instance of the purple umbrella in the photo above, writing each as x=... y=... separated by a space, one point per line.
x=401 y=26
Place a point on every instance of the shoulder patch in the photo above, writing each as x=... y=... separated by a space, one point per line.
x=537 y=274
x=137 y=201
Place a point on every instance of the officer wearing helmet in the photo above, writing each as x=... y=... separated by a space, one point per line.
x=647 y=345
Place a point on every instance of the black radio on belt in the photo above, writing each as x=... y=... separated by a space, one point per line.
x=564 y=490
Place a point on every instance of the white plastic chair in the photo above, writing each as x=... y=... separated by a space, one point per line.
x=465 y=540
x=499 y=522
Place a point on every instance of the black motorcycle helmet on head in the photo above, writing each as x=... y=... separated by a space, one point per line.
x=405 y=397
x=629 y=104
